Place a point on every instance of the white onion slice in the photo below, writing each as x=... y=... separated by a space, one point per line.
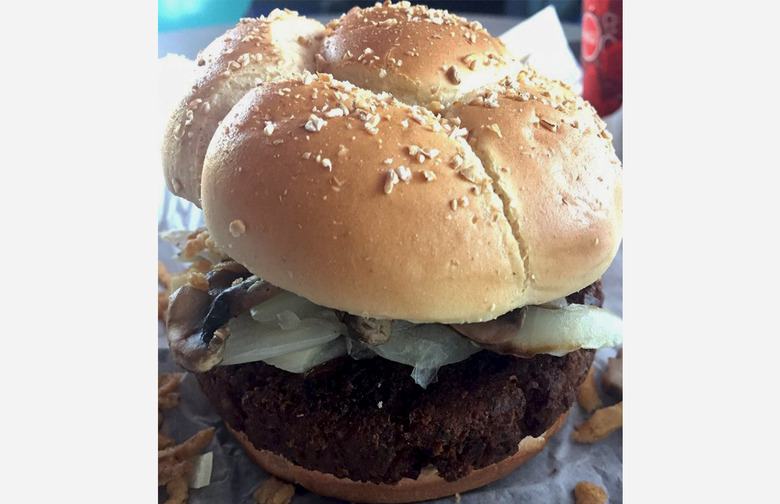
x=303 y=360
x=560 y=331
x=288 y=320
x=201 y=470
x=253 y=341
x=294 y=334
x=425 y=347
x=284 y=301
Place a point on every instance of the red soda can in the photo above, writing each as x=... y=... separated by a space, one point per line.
x=602 y=54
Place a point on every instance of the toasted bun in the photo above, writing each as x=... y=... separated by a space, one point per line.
x=429 y=485
x=377 y=207
x=304 y=185
x=255 y=51
x=555 y=168
x=316 y=203
x=420 y=55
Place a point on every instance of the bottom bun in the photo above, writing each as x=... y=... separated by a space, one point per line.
x=429 y=485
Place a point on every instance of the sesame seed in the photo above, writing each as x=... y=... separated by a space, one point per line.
x=390 y=181
x=269 y=128
x=491 y=101
x=237 y=228
x=314 y=123
x=429 y=175
x=327 y=164
x=469 y=173
x=494 y=128
x=404 y=173
x=457 y=161
x=470 y=60
x=548 y=125
x=453 y=75
x=458 y=132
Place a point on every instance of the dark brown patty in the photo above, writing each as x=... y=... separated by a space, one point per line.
x=330 y=419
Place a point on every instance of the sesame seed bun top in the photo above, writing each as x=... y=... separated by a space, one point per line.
x=420 y=55
x=254 y=51
x=359 y=202
x=555 y=168
x=502 y=191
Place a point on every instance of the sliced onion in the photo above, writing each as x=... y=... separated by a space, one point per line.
x=294 y=334
x=201 y=470
x=426 y=347
x=288 y=320
x=285 y=301
x=253 y=341
x=303 y=360
x=560 y=331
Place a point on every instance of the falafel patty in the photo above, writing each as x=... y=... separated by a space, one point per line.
x=367 y=420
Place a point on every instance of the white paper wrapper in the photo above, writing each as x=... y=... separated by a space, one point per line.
x=548 y=477
x=540 y=38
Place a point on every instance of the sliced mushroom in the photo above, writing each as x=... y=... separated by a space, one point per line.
x=195 y=316
x=494 y=332
x=368 y=330
x=185 y=318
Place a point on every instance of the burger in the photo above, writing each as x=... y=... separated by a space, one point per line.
x=397 y=291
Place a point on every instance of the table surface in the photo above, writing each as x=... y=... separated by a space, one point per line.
x=188 y=42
